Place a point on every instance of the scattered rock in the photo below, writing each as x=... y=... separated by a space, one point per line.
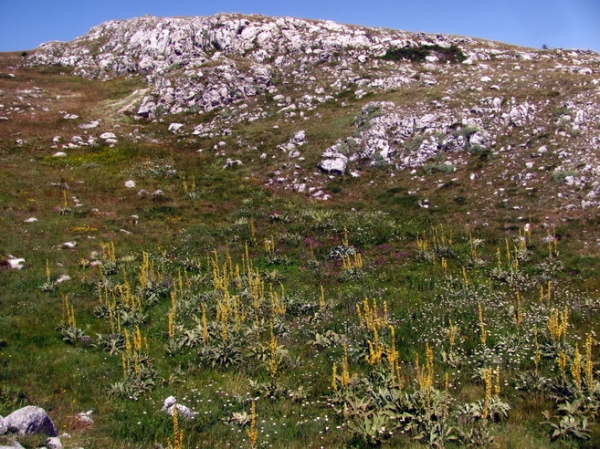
x=182 y=411
x=62 y=278
x=299 y=138
x=54 y=443
x=91 y=125
x=175 y=127
x=83 y=420
x=334 y=162
x=109 y=138
x=232 y=163
x=29 y=420
x=16 y=263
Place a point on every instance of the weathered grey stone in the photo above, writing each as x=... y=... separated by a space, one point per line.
x=232 y=163
x=175 y=127
x=333 y=162
x=16 y=263
x=54 y=443
x=107 y=136
x=184 y=412
x=30 y=419
x=299 y=138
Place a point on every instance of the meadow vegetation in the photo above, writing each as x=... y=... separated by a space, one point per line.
x=282 y=321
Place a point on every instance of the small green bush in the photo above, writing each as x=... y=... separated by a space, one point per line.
x=451 y=54
x=413 y=145
x=442 y=168
x=559 y=177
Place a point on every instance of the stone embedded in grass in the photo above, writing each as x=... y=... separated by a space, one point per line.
x=333 y=162
x=62 y=278
x=92 y=124
x=16 y=263
x=29 y=420
x=59 y=154
x=109 y=138
x=86 y=417
x=299 y=138
x=232 y=162
x=175 y=127
x=69 y=245
x=31 y=220
x=182 y=411
x=130 y=184
x=54 y=443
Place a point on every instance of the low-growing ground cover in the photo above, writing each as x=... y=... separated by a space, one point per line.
x=281 y=321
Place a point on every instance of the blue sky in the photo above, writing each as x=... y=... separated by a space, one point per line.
x=24 y=24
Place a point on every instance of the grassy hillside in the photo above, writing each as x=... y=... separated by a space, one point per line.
x=411 y=309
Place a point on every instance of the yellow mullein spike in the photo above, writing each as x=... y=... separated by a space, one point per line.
x=488 y=381
x=345 y=373
x=497 y=386
x=322 y=298
x=334 y=378
x=252 y=432
x=576 y=368
x=171 y=325
x=562 y=362
x=47 y=272
x=589 y=364
x=483 y=331
x=429 y=359
x=518 y=310
x=138 y=339
x=273 y=351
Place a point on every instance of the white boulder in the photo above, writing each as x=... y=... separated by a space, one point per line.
x=29 y=420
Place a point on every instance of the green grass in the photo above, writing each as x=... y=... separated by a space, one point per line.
x=228 y=213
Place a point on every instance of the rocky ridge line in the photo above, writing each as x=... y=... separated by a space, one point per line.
x=230 y=61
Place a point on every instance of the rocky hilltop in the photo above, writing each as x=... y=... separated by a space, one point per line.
x=428 y=101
